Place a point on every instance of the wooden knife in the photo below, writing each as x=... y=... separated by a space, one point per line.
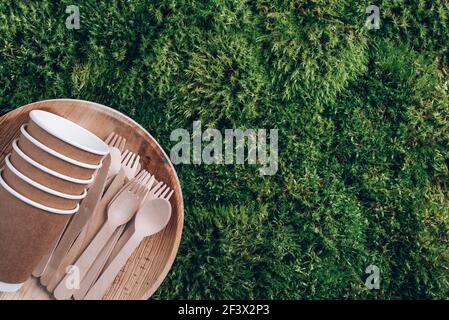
x=77 y=223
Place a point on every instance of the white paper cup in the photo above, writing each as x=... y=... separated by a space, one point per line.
x=37 y=192
x=66 y=137
x=45 y=176
x=23 y=130
x=53 y=160
x=28 y=231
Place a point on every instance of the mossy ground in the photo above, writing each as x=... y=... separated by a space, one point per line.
x=363 y=119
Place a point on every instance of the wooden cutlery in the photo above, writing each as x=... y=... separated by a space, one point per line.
x=159 y=191
x=99 y=240
x=130 y=167
x=102 y=258
x=120 y=211
x=150 y=219
x=141 y=276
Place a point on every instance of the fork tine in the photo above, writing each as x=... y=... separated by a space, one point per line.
x=159 y=192
x=124 y=155
x=144 y=178
x=114 y=141
x=141 y=173
x=137 y=161
x=165 y=193
x=122 y=145
x=156 y=187
x=126 y=159
x=150 y=183
x=147 y=178
x=109 y=138
x=169 y=195
x=131 y=161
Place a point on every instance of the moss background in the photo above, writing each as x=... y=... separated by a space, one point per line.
x=363 y=118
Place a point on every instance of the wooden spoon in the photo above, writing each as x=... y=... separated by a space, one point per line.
x=151 y=219
x=159 y=191
x=120 y=212
x=100 y=262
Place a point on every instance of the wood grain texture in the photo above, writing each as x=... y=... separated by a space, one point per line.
x=150 y=264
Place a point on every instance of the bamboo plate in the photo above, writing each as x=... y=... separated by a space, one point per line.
x=150 y=264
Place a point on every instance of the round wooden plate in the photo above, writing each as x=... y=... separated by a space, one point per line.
x=150 y=264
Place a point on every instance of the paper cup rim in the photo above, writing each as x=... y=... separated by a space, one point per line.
x=10 y=287
x=23 y=130
x=71 y=133
x=33 y=203
x=41 y=187
x=47 y=170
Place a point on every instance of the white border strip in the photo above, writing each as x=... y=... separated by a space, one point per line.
x=45 y=169
x=32 y=203
x=41 y=187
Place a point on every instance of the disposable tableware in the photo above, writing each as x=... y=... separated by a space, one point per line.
x=151 y=219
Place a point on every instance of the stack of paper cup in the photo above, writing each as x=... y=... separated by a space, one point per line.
x=41 y=185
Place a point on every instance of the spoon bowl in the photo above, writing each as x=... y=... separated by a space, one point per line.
x=153 y=217
x=120 y=212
